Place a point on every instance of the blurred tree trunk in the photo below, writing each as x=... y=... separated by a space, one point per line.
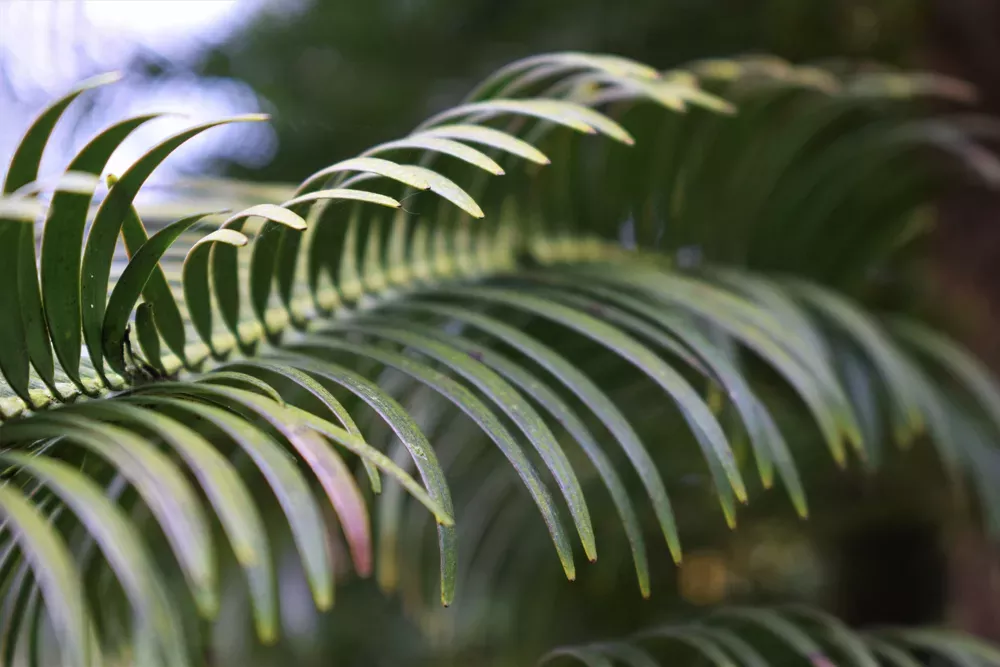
x=965 y=42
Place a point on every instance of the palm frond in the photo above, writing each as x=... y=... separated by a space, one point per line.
x=681 y=287
x=762 y=636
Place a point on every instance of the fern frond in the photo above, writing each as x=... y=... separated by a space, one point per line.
x=374 y=312
x=762 y=636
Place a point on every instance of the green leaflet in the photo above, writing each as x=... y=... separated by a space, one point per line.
x=491 y=137
x=709 y=434
x=120 y=545
x=382 y=461
x=981 y=460
x=228 y=495
x=413 y=439
x=197 y=294
x=326 y=464
x=149 y=337
x=160 y=483
x=263 y=263
x=19 y=208
x=959 y=363
x=472 y=406
x=559 y=63
x=939 y=643
x=132 y=283
x=837 y=633
x=490 y=526
x=587 y=656
x=694 y=637
x=668 y=340
x=891 y=653
x=564 y=414
x=447 y=189
x=814 y=383
x=717 y=304
x=232 y=377
x=343 y=194
x=55 y=573
x=305 y=520
x=733 y=643
x=791 y=317
x=388 y=547
x=714 y=642
x=587 y=391
x=17 y=247
x=24 y=163
x=34 y=632
x=16 y=598
x=224 y=263
x=573 y=116
x=156 y=288
x=887 y=360
x=976 y=648
x=35 y=329
x=631 y=656
x=13 y=343
x=285 y=265
x=370 y=165
x=100 y=247
x=511 y=403
x=439 y=144
x=71 y=181
x=769 y=446
x=306 y=382
x=302 y=429
x=776 y=624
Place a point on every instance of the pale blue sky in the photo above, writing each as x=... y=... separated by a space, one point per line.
x=48 y=45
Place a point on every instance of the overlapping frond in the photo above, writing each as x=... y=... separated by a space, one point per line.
x=157 y=382
x=755 y=637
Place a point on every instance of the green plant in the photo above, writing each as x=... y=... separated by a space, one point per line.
x=807 y=634
x=687 y=289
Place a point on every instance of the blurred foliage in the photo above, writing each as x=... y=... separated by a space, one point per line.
x=343 y=75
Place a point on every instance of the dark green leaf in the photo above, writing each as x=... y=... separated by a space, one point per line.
x=100 y=248
x=131 y=284
x=62 y=245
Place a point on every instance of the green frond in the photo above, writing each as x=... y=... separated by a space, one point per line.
x=493 y=304
x=732 y=636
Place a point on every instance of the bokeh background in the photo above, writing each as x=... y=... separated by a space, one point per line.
x=340 y=75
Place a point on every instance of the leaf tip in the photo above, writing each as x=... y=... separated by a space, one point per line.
x=323 y=600
x=267 y=634
x=252 y=118
x=103 y=79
